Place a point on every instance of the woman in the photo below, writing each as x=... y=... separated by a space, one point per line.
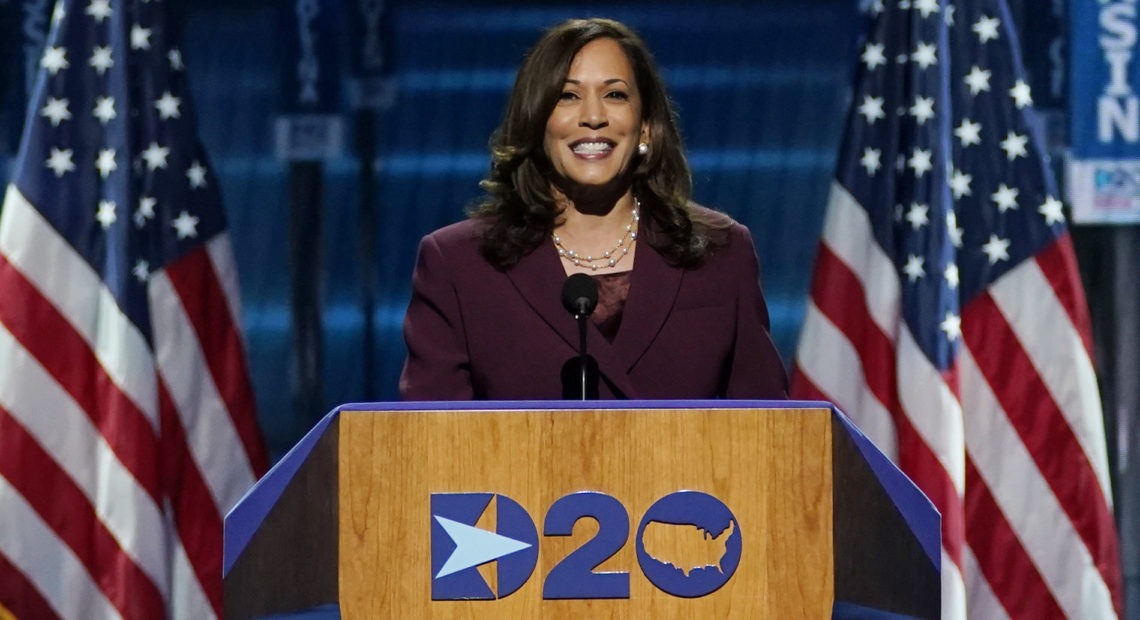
x=588 y=176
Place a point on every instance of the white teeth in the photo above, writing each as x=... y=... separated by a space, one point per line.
x=592 y=148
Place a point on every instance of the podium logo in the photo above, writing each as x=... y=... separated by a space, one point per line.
x=688 y=544
x=472 y=529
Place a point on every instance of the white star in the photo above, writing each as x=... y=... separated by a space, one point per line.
x=951 y=275
x=914 y=269
x=949 y=14
x=870 y=160
x=1020 y=94
x=987 y=28
x=873 y=56
x=140 y=38
x=920 y=162
x=60 y=161
x=1014 y=145
x=969 y=132
x=186 y=225
x=167 y=106
x=960 y=184
x=876 y=7
x=923 y=109
x=106 y=162
x=56 y=110
x=145 y=211
x=996 y=249
x=197 y=175
x=872 y=109
x=1005 y=197
x=155 y=156
x=104 y=109
x=59 y=13
x=1052 y=210
x=926 y=7
x=106 y=214
x=141 y=270
x=925 y=55
x=175 y=58
x=99 y=9
x=917 y=215
x=952 y=325
x=978 y=79
x=54 y=60
x=101 y=59
x=952 y=229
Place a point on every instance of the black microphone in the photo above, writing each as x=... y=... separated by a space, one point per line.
x=580 y=374
x=580 y=295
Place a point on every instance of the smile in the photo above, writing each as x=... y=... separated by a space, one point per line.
x=592 y=147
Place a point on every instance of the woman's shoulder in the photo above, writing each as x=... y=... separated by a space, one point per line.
x=462 y=234
x=719 y=226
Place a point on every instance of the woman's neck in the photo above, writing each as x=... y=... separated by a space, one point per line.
x=590 y=236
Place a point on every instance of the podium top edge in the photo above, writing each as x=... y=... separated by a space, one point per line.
x=531 y=405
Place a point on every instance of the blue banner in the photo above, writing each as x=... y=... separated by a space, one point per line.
x=1103 y=174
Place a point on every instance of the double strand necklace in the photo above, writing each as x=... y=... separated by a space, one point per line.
x=608 y=259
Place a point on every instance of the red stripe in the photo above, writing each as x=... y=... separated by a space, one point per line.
x=66 y=510
x=48 y=336
x=1044 y=431
x=1002 y=560
x=1059 y=264
x=203 y=297
x=840 y=296
x=19 y=597
x=196 y=518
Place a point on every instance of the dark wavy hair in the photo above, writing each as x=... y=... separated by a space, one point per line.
x=519 y=208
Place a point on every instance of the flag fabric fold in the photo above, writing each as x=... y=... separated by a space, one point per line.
x=947 y=316
x=127 y=424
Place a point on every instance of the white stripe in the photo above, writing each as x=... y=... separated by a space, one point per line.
x=1041 y=526
x=33 y=246
x=847 y=233
x=213 y=441
x=830 y=362
x=222 y=257
x=187 y=599
x=932 y=408
x=61 y=427
x=953 y=590
x=32 y=547
x=981 y=600
x=1031 y=308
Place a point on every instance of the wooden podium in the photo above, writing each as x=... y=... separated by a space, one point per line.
x=742 y=509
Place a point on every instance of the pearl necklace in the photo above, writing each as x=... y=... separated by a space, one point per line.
x=609 y=259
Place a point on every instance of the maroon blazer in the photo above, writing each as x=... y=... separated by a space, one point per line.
x=474 y=332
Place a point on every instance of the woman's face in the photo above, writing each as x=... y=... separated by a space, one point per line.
x=592 y=135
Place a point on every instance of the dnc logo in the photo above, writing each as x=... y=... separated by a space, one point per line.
x=688 y=545
x=458 y=546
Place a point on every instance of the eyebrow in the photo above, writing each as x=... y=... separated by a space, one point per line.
x=607 y=82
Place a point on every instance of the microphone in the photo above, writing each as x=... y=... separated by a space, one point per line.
x=580 y=295
x=580 y=374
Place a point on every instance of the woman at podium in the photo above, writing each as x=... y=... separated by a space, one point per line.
x=588 y=176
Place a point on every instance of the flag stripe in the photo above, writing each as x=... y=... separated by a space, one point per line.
x=53 y=494
x=49 y=338
x=199 y=289
x=1038 y=422
x=216 y=448
x=19 y=597
x=196 y=518
x=1058 y=262
x=1001 y=557
x=980 y=598
x=68 y=282
x=1032 y=512
x=28 y=543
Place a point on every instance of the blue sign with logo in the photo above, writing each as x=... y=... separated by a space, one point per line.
x=458 y=546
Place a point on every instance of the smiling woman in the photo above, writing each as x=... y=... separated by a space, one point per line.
x=588 y=176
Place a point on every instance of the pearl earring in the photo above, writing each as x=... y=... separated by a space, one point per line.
x=643 y=149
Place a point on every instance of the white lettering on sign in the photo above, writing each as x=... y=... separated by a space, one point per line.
x=1118 y=110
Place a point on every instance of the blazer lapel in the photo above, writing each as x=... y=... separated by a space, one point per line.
x=652 y=293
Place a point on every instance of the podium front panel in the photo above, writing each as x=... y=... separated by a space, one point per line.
x=411 y=482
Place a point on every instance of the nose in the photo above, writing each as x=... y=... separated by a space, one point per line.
x=593 y=114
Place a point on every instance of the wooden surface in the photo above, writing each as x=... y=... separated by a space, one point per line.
x=772 y=468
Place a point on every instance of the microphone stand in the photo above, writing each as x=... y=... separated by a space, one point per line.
x=582 y=317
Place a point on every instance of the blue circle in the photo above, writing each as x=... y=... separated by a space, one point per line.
x=712 y=521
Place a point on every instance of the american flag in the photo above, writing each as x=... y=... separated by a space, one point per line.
x=947 y=316
x=127 y=424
